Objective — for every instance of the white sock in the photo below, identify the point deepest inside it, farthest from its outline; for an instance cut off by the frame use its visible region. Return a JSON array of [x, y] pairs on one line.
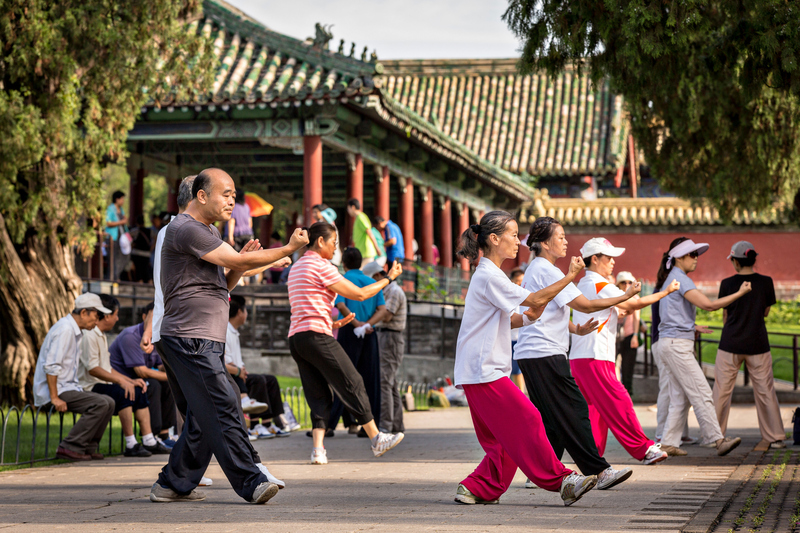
[[245, 398], [149, 440], [321, 449], [130, 441]]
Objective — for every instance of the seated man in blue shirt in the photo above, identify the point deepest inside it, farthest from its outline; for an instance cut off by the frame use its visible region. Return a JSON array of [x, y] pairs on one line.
[[392, 240], [363, 351], [128, 358]]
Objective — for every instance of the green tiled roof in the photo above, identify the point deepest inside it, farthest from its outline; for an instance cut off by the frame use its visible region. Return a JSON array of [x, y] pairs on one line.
[[259, 66], [532, 124]]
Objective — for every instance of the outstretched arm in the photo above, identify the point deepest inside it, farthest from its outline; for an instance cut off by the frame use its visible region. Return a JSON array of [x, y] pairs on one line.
[[640, 303], [541, 298], [225, 256], [350, 291], [585, 305], [701, 300]]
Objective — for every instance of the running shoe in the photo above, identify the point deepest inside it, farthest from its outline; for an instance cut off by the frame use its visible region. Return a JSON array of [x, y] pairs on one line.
[[270, 477], [463, 495], [138, 450], [777, 445], [689, 440], [352, 430], [169, 443], [159, 494], [574, 486], [383, 442], [610, 477], [252, 435], [262, 432], [530, 484], [289, 424], [329, 433], [275, 431], [206, 482], [654, 455], [673, 451], [249, 405], [264, 493], [727, 445], [319, 456]]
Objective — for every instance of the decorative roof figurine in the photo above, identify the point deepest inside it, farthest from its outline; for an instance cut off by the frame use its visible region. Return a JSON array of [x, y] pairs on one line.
[[323, 36], [341, 47], [373, 58], [364, 54], [352, 49]]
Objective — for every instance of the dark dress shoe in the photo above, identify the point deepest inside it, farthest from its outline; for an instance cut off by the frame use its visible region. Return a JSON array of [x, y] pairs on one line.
[[97, 456], [362, 433], [63, 453], [137, 451], [329, 433], [157, 449]]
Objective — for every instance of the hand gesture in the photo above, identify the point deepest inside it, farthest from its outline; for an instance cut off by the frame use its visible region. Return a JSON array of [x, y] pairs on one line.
[[130, 390], [243, 373], [299, 239], [576, 264], [139, 382], [344, 321], [745, 288], [703, 329], [674, 286], [368, 328], [634, 289], [533, 313], [251, 246], [588, 327], [283, 262], [145, 344], [396, 270], [59, 404]]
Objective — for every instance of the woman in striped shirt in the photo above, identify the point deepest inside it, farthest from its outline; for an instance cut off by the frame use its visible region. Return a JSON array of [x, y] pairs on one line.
[[313, 284]]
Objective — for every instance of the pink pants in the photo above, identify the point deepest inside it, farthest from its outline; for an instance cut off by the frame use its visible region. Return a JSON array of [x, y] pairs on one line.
[[512, 434], [610, 407]]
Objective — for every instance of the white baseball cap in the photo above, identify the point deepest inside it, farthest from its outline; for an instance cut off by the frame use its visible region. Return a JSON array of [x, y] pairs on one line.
[[600, 245], [90, 300], [625, 276], [372, 268]]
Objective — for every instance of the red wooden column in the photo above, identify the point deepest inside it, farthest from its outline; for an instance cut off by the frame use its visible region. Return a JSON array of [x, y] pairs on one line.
[[355, 189], [173, 186], [312, 174], [136, 195], [463, 224], [407, 215], [426, 235], [265, 230], [382, 192], [446, 233]]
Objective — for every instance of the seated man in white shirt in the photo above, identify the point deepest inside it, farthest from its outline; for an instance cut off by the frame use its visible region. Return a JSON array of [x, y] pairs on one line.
[[261, 394], [55, 382], [95, 374]]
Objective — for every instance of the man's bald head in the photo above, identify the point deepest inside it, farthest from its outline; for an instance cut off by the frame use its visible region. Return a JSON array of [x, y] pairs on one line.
[[213, 193], [209, 178]]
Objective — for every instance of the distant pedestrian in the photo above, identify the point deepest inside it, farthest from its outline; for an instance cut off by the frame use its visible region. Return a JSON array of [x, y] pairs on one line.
[[744, 339], [688, 385], [516, 276], [140, 251], [363, 239], [393, 240], [239, 228], [116, 226], [628, 338], [381, 257]]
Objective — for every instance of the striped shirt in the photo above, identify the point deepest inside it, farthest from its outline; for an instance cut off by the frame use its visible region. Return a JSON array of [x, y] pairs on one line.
[[309, 296]]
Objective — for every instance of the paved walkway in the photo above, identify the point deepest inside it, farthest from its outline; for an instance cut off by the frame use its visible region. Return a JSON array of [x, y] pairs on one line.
[[409, 489]]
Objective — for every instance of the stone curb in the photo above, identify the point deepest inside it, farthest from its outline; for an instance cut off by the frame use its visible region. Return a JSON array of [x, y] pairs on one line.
[[707, 518]]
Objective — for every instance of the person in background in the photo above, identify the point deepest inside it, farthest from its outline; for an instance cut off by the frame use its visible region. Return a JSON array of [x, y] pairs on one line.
[[55, 381], [393, 240], [381, 257], [363, 239], [435, 251], [261, 394], [140, 251], [95, 374], [275, 272], [239, 229], [115, 227], [156, 223], [359, 340], [323, 213], [688, 386], [392, 343], [516, 276], [744, 339], [630, 328], [127, 358]]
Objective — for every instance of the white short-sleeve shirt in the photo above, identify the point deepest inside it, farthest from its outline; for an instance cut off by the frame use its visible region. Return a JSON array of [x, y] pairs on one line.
[[158, 302], [483, 351], [549, 335], [600, 344], [233, 347]]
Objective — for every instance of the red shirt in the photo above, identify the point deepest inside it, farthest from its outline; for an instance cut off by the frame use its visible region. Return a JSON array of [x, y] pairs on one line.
[[309, 296]]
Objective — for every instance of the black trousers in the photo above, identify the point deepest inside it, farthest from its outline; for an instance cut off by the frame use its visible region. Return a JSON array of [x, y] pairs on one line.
[[210, 402], [565, 414], [326, 369], [265, 388], [162, 405], [366, 357], [628, 363]]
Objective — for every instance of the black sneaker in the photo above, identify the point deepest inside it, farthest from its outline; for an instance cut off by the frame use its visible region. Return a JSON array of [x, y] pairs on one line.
[[362, 433], [137, 451], [329, 433], [157, 449]]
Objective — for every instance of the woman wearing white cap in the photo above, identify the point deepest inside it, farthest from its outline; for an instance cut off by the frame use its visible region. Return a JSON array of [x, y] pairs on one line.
[[744, 339], [541, 353], [592, 356], [688, 386]]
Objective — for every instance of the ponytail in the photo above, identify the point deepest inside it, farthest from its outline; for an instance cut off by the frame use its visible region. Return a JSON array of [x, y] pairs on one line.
[[476, 237], [541, 230], [663, 270]]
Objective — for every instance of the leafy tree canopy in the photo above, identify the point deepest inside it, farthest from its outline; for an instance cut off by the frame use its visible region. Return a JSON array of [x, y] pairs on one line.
[[73, 78], [711, 86]]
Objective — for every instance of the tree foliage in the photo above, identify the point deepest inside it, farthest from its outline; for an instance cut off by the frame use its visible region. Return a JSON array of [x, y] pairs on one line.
[[711, 86], [73, 78]]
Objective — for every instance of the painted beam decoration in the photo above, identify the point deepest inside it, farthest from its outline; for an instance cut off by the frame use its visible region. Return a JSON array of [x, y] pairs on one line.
[[232, 129]]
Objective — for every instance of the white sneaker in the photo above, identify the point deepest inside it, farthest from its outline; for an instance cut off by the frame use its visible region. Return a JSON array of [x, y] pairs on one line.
[[262, 432], [383, 442], [319, 456], [530, 484], [574, 486], [610, 477], [275, 431], [206, 482], [270, 477], [252, 435], [689, 440], [288, 419], [249, 405], [654, 455]]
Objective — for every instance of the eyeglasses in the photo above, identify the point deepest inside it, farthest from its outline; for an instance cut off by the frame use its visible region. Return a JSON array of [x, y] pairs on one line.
[[693, 255]]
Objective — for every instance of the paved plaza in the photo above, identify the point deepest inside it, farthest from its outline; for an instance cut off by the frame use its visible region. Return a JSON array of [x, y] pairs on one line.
[[409, 489]]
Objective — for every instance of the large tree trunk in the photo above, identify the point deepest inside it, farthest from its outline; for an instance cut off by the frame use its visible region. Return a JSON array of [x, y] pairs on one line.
[[38, 286]]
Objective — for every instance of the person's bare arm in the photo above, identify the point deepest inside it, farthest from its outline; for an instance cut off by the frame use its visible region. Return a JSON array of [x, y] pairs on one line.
[[147, 334], [231, 225], [725, 315], [378, 316], [585, 328], [585, 305], [359, 294], [766, 312], [540, 299], [225, 256], [700, 300], [634, 304], [123, 381], [374, 241], [144, 373], [52, 385], [389, 242]]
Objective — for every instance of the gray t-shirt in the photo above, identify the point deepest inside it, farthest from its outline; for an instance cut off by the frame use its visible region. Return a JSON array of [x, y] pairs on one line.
[[676, 312], [195, 291]]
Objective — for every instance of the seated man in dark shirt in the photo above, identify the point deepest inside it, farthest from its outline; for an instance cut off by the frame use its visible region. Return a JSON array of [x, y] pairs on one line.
[[128, 358]]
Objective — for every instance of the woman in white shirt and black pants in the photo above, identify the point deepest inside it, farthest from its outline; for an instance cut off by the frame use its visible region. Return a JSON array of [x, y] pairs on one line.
[[508, 426], [541, 353]]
